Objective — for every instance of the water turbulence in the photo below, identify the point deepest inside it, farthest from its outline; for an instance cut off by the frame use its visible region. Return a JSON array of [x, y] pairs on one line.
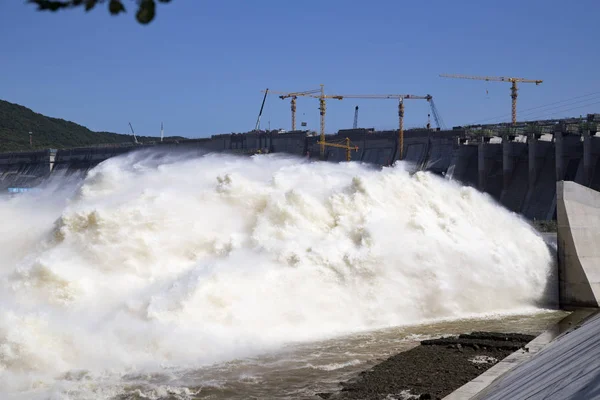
[[168, 263]]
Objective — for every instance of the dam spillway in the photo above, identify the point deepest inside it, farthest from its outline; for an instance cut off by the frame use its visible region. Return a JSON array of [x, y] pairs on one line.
[[518, 167], [165, 263]]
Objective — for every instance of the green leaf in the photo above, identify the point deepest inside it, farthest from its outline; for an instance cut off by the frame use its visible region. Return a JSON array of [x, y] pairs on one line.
[[146, 12], [89, 4], [115, 7]]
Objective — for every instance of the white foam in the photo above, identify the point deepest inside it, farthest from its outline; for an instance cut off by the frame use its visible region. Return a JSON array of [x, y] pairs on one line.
[[180, 262], [334, 366]]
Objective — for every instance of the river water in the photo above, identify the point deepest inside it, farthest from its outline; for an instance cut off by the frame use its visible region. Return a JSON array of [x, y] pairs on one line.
[[167, 276], [301, 371]]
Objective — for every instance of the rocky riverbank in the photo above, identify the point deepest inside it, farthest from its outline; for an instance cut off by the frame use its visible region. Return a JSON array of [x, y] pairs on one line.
[[433, 369]]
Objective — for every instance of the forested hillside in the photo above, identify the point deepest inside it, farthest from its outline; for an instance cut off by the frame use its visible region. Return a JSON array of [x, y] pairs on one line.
[[17, 121]]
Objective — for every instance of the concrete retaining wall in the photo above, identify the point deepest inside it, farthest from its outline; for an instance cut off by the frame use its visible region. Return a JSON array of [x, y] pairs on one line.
[[578, 219]]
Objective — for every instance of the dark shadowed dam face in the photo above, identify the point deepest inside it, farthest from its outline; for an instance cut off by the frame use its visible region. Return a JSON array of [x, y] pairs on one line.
[[156, 266]]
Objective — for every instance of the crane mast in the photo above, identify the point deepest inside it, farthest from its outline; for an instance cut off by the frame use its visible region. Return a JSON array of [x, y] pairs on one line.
[[322, 108], [355, 124], [261, 110], [293, 107], [513, 89], [133, 133], [401, 129]]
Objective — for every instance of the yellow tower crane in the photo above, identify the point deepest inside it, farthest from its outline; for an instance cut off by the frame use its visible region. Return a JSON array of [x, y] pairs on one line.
[[322, 107], [513, 89], [293, 96], [400, 98]]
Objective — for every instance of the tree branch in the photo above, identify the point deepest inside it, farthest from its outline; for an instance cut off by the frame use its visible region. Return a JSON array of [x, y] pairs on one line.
[[145, 13]]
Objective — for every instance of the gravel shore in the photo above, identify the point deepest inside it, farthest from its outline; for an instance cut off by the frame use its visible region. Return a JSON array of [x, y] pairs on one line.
[[432, 370]]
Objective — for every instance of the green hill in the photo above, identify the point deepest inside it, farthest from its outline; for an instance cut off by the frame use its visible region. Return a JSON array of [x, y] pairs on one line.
[[17, 121]]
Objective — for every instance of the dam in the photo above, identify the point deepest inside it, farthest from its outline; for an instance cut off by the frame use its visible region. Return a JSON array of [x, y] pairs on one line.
[[184, 276], [189, 245], [518, 166]]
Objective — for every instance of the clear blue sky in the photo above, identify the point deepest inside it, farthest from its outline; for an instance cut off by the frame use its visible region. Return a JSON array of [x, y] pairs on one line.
[[200, 66]]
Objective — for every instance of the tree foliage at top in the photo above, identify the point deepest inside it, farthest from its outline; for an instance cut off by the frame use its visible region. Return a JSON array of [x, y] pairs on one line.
[[146, 9]]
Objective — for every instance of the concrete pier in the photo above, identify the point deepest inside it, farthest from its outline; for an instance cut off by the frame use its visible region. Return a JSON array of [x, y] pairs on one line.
[[595, 171], [489, 165], [569, 153], [540, 200], [587, 157], [464, 164], [559, 151], [532, 145], [481, 164], [515, 173], [507, 160]]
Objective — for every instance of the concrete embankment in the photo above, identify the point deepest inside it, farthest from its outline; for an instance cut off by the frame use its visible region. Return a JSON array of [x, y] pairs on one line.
[[578, 245], [567, 368], [564, 362]]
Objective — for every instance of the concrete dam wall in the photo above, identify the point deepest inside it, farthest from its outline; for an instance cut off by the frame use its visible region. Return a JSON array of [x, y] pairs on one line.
[[25, 169], [519, 170]]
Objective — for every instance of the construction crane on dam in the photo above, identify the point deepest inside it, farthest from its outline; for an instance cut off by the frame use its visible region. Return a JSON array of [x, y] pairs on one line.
[[513, 88], [400, 98], [323, 107], [133, 133], [262, 106]]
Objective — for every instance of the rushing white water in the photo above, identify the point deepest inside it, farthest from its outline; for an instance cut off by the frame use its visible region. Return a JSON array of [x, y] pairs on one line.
[[172, 262]]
